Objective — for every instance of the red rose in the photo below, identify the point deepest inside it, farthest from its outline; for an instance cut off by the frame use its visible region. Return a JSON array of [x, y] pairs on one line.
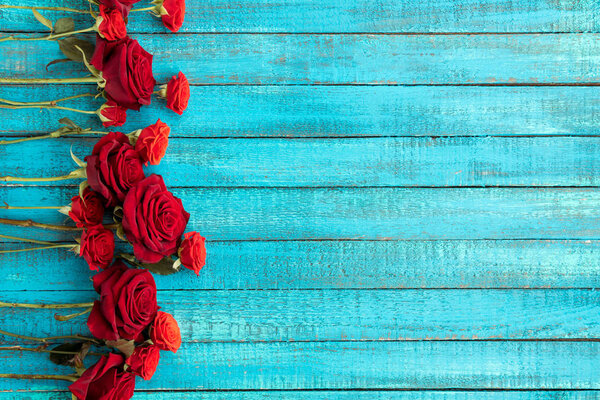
[[123, 6], [152, 142], [172, 13], [97, 247], [110, 24], [87, 211], [165, 333], [127, 69], [113, 168], [105, 380], [143, 361], [153, 220], [192, 252], [111, 114], [178, 93], [127, 303]]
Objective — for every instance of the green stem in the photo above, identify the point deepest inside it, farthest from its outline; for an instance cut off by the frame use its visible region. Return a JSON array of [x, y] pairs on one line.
[[77, 174], [27, 223], [48, 107], [40, 350], [70, 378], [7, 207], [143, 9], [46, 306], [26, 240], [49, 37], [56, 246], [71, 316], [26, 81], [48, 339], [45, 103], [73, 10]]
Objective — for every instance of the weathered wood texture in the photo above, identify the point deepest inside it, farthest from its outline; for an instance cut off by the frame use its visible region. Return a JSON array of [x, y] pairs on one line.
[[344, 16], [325, 111], [343, 59]]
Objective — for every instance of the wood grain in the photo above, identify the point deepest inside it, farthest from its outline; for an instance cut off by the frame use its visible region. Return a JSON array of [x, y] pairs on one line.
[[335, 111], [339, 315], [343, 16], [363, 365], [344, 59]]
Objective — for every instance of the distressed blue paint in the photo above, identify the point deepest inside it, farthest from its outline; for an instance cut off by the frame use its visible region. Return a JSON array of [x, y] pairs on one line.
[[325, 111], [343, 59], [345, 16]]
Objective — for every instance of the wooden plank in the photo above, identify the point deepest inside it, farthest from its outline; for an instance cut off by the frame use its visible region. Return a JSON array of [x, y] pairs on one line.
[[344, 59], [358, 162], [358, 213], [340, 315], [364, 365], [331, 394], [344, 16], [325, 111], [345, 265]]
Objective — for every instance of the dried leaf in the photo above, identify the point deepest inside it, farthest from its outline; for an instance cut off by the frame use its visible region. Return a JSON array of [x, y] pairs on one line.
[[76, 159], [166, 266], [61, 60], [45, 21], [69, 46], [64, 25], [68, 122], [123, 345], [82, 186], [77, 353]]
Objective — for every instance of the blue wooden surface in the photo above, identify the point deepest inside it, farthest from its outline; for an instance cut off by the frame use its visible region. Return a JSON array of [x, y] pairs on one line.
[[400, 199]]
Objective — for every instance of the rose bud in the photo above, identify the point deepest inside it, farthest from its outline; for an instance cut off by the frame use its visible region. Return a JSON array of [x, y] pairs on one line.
[[110, 24], [165, 333], [127, 304], [176, 92], [111, 114], [151, 142], [97, 247], [85, 210], [172, 13], [153, 220], [113, 168], [192, 252], [143, 361], [127, 70], [105, 380]]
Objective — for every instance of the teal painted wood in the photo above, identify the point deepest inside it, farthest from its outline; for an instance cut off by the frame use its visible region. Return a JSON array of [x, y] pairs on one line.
[[344, 59], [362, 365], [329, 394], [340, 315], [355, 16], [344, 265], [327, 111], [440, 162], [358, 213]]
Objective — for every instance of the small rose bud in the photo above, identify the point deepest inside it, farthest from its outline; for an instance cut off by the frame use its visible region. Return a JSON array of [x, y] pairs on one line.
[[172, 13], [143, 361], [151, 143], [97, 247], [88, 209], [192, 252], [111, 114], [177, 93], [110, 24]]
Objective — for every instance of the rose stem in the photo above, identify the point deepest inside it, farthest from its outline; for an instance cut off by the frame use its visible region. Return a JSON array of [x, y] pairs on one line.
[[30, 223], [46, 306], [38, 350], [73, 10], [56, 246], [87, 79], [26, 240], [78, 173], [49, 37], [143, 9], [46, 339], [46, 103], [71, 316], [7, 207], [69, 378], [49, 107]]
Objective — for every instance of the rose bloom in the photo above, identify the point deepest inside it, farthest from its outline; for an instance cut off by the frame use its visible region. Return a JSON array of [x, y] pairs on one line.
[[127, 304], [152, 142], [105, 380], [110, 24], [153, 220], [172, 14], [111, 114], [87, 209], [143, 361], [178, 93], [113, 168], [127, 69], [192, 252], [165, 332], [97, 247], [123, 6]]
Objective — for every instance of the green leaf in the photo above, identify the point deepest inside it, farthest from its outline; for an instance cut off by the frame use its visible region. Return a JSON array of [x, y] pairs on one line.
[[79, 351], [166, 266], [68, 122], [64, 25], [123, 345], [76, 159], [69, 46], [45, 21]]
